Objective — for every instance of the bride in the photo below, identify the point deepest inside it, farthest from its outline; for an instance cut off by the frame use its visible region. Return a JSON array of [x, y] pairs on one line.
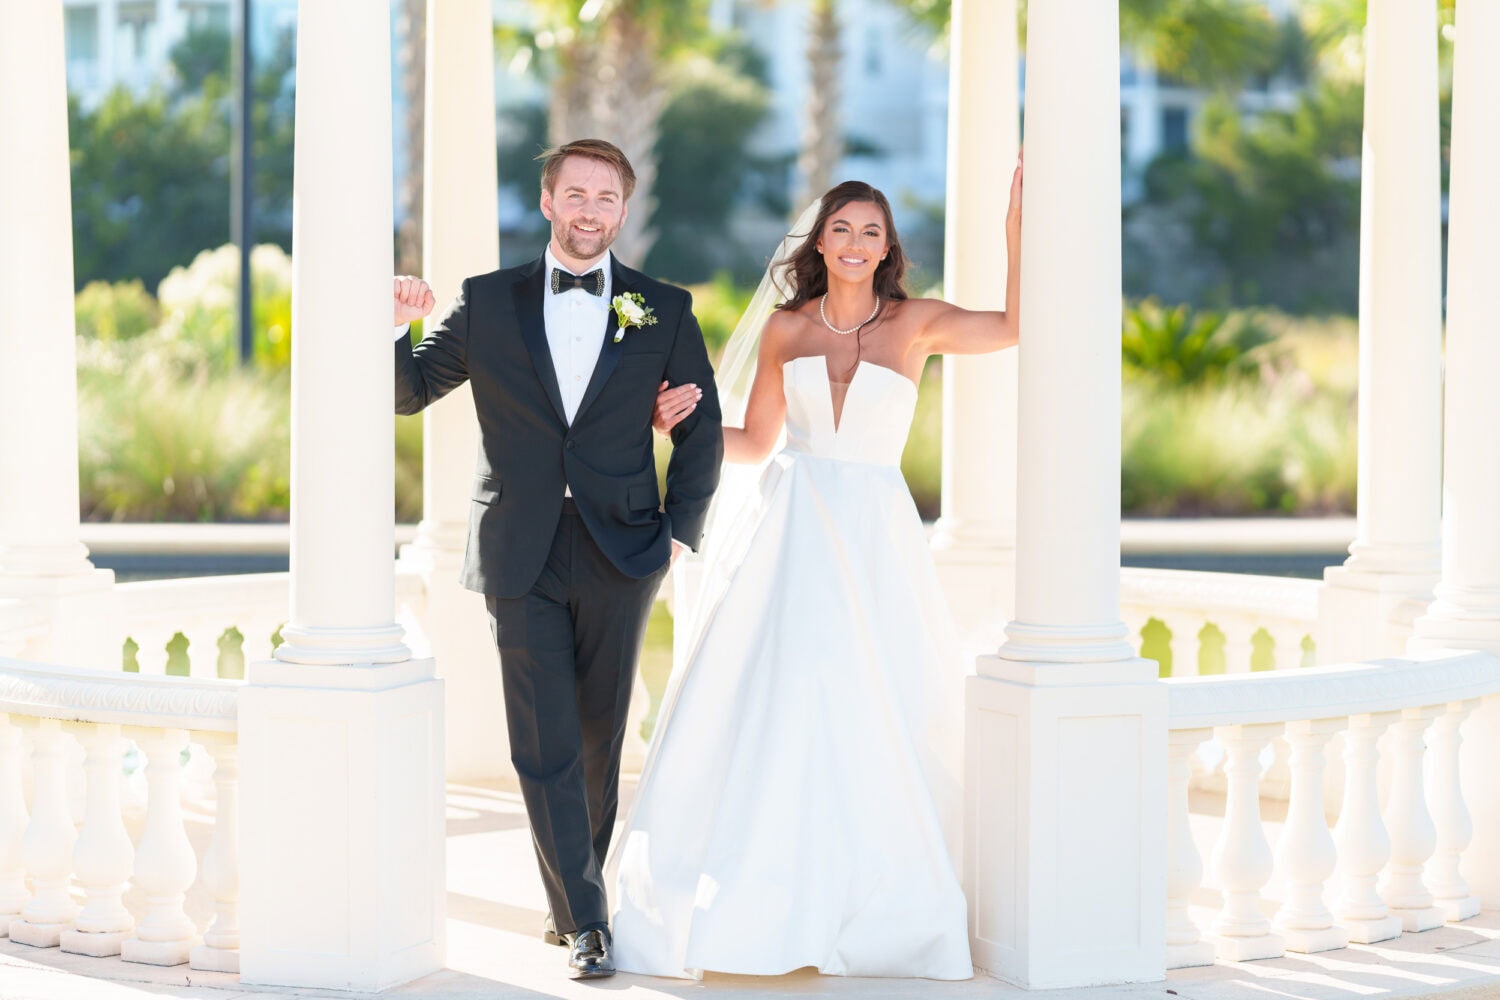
[[801, 804]]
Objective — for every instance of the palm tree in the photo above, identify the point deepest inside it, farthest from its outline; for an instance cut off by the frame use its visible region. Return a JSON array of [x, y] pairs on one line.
[[606, 61], [411, 60], [822, 132]]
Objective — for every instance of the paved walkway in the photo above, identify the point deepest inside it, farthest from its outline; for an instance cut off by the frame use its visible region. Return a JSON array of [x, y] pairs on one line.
[[495, 907]]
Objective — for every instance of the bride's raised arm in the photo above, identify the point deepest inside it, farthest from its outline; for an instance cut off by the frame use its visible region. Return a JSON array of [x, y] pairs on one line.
[[765, 410], [949, 329]]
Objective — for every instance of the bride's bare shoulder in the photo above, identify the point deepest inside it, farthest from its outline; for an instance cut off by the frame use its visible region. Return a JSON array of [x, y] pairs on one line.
[[783, 329]]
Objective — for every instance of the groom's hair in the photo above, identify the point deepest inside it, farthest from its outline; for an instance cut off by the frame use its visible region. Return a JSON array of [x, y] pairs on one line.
[[594, 149]]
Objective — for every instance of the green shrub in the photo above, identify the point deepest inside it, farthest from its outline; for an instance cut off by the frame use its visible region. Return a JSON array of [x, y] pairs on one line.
[[199, 315], [119, 311], [1182, 346]]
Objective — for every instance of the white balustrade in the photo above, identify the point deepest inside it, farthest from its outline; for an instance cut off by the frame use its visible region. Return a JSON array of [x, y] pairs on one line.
[[1288, 648], [103, 855], [164, 864], [1239, 646], [220, 950], [1363, 844], [13, 821], [1413, 837], [47, 846], [1242, 858], [1305, 854], [1451, 817], [1184, 644], [1185, 944]]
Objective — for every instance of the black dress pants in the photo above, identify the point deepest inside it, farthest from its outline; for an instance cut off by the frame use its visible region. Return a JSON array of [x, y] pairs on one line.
[[568, 654]]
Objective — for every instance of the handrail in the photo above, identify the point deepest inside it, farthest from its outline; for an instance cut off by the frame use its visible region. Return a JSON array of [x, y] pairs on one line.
[[80, 694]]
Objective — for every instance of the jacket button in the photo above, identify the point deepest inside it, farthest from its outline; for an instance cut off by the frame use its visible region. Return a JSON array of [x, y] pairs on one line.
[[569, 446]]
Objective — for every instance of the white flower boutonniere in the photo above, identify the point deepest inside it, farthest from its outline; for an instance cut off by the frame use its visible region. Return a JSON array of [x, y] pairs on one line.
[[631, 311]]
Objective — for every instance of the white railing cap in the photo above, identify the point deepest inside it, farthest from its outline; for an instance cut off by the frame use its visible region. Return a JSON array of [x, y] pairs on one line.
[[1241, 593], [1333, 691], [46, 691]]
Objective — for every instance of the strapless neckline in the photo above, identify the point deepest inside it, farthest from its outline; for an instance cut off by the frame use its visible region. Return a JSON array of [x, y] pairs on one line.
[[861, 365]]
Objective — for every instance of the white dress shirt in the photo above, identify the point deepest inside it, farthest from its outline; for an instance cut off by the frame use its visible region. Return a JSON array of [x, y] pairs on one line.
[[575, 322]]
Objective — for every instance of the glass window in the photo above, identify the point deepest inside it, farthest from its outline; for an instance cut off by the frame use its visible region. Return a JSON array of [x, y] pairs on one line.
[[81, 31]]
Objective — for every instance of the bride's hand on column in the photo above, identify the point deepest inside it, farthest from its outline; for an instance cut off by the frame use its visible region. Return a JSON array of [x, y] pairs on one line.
[[1013, 215], [414, 299], [673, 406]]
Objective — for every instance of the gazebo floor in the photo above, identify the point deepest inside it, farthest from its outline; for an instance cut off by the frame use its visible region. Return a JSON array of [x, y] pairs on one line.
[[495, 909]]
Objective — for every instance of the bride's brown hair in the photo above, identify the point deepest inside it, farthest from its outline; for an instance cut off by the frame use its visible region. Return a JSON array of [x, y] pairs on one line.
[[811, 273]]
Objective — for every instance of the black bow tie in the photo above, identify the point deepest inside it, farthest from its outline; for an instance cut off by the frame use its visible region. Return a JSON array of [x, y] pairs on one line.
[[593, 282]]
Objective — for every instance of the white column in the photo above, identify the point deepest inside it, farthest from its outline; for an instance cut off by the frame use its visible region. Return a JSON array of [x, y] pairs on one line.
[[460, 238], [1305, 854], [220, 950], [341, 736], [1466, 614], [975, 540], [103, 855], [1066, 726], [41, 556], [1395, 555], [47, 847]]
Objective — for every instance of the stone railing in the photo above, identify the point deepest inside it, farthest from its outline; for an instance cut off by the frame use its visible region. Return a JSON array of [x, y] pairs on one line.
[[1378, 873], [133, 889], [23, 625], [1212, 623], [213, 626]]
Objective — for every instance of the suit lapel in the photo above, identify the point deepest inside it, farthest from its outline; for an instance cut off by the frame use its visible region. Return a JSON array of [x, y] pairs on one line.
[[609, 354], [528, 292]]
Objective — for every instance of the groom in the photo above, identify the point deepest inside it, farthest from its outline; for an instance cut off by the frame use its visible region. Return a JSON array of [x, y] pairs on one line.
[[568, 538]]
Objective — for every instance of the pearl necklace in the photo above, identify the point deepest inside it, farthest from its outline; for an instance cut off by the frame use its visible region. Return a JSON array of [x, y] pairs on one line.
[[844, 333]]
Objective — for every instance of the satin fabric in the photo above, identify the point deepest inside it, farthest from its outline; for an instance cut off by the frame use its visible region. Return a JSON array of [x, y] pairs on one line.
[[801, 804]]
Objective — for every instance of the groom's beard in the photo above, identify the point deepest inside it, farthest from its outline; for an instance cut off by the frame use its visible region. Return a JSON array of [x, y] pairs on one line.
[[583, 246]]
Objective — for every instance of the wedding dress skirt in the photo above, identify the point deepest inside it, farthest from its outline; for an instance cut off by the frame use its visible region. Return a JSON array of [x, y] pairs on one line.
[[801, 803]]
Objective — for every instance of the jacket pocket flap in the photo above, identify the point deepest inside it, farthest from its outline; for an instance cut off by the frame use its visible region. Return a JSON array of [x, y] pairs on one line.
[[486, 490]]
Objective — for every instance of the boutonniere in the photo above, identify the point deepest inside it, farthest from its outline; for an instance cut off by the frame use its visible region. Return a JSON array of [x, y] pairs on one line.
[[631, 311]]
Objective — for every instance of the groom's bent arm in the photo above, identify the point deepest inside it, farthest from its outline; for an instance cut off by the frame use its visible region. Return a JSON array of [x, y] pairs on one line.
[[698, 441], [439, 364]]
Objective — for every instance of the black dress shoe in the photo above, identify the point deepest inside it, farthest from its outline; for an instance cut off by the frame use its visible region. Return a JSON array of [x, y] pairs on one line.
[[550, 935], [591, 958]]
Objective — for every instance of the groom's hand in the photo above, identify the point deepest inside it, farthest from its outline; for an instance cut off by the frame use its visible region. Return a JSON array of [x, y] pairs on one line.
[[673, 406], [414, 299]]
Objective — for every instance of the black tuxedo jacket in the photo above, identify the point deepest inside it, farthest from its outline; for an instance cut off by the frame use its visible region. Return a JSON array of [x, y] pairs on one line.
[[494, 336]]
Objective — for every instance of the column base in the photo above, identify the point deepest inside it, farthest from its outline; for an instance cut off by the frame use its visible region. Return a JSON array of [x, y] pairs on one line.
[[207, 959], [1248, 949], [356, 900], [1371, 931], [1367, 615], [1415, 921], [163, 953], [457, 627], [1456, 910], [1190, 956], [1308, 942], [101, 944], [38, 935], [1048, 764]]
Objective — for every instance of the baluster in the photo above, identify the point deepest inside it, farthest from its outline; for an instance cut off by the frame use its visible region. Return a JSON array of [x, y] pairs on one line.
[[1305, 853], [13, 820], [220, 950], [1413, 837], [103, 855], [164, 862], [1135, 621], [1288, 651], [47, 847], [1454, 830], [203, 649], [1242, 858], [1363, 845], [1184, 644], [1185, 944], [152, 639], [1238, 647]]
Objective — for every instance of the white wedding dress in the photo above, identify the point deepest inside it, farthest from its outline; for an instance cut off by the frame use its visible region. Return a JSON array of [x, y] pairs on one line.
[[801, 802]]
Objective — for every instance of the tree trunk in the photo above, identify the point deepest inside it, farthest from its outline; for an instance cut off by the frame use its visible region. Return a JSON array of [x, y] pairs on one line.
[[822, 136], [412, 67]]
